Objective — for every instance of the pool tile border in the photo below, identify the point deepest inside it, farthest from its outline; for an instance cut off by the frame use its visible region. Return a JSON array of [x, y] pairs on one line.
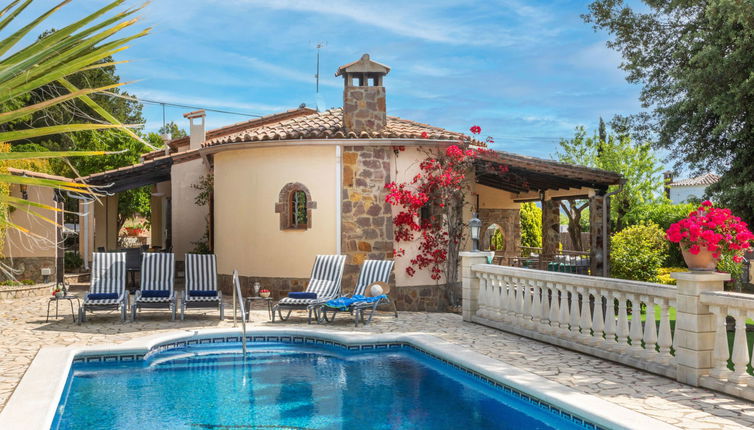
[[377, 346], [44, 383]]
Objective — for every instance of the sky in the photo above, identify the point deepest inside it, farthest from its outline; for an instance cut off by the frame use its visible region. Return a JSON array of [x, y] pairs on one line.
[[527, 71]]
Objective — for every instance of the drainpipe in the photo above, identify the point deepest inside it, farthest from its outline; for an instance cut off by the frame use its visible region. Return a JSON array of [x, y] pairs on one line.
[[338, 196], [605, 238]]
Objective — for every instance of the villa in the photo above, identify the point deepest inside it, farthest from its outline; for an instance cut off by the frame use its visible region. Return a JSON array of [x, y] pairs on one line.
[[292, 185]]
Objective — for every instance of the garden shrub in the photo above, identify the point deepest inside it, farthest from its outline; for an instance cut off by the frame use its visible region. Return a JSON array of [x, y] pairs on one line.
[[663, 274], [531, 226], [73, 261], [637, 252], [662, 214], [497, 241]]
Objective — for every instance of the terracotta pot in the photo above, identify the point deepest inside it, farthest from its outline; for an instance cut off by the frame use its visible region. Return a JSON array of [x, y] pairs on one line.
[[702, 262]]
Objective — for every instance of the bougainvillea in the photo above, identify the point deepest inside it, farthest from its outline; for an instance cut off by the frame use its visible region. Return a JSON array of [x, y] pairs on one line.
[[714, 229], [431, 206]]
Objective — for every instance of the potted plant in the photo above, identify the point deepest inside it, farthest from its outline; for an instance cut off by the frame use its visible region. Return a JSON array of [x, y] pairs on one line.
[[708, 235]]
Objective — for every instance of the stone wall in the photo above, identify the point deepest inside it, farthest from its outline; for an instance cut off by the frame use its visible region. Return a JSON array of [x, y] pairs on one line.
[[550, 228], [279, 287], [367, 220], [509, 221], [598, 254], [364, 109], [30, 267], [423, 298]]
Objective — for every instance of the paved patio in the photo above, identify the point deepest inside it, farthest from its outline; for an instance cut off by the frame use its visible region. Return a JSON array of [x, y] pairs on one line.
[[23, 331]]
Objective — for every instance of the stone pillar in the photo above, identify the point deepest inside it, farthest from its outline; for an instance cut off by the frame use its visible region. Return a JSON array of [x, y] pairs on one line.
[[550, 229], [695, 325], [470, 286], [597, 252]]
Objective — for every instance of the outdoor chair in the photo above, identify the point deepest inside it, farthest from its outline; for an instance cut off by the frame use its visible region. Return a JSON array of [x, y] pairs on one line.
[[201, 284], [156, 286], [108, 285], [324, 285], [371, 271]]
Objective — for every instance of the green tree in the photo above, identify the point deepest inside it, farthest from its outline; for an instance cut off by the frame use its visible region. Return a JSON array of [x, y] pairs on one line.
[[694, 62], [531, 226], [636, 162]]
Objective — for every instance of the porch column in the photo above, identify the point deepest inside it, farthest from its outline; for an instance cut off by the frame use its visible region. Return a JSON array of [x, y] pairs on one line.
[[106, 223], [599, 227], [550, 229]]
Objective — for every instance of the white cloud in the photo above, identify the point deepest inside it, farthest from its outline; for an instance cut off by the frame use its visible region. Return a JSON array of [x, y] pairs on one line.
[[206, 102], [278, 71]]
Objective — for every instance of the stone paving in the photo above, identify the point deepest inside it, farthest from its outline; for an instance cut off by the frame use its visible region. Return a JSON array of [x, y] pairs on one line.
[[23, 331]]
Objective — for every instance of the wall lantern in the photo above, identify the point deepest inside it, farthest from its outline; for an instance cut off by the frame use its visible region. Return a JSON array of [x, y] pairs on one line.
[[24, 191], [475, 225]]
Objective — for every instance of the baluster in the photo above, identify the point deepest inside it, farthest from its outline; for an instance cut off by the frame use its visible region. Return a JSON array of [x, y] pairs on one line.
[[650, 329], [520, 301], [740, 355], [610, 319], [622, 329], [482, 300], [672, 304], [554, 308], [535, 310], [598, 319], [564, 315], [586, 316], [493, 311], [575, 315], [507, 293], [665, 339], [720, 354], [636, 332], [544, 309]]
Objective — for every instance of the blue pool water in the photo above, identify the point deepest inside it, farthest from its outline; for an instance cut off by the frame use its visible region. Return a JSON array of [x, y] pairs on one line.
[[284, 386]]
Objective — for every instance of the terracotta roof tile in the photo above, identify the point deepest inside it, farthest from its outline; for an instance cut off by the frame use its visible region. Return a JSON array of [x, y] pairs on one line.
[[329, 125], [703, 180]]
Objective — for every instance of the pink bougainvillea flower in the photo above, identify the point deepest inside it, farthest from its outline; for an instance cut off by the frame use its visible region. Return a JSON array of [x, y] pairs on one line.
[[425, 135], [707, 203], [738, 259], [475, 129], [695, 249]]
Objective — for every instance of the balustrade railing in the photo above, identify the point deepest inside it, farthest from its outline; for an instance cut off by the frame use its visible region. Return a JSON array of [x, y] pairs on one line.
[[695, 332], [596, 312]]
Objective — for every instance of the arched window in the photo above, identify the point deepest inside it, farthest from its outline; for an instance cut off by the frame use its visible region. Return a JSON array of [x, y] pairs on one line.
[[295, 207]]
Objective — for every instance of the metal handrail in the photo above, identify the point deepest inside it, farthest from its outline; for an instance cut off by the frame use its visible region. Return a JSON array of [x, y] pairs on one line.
[[237, 293]]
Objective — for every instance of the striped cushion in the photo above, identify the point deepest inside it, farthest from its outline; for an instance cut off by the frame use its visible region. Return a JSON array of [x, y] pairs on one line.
[[108, 277], [329, 268], [201, 272], [157, 271], [373, 271], [325, 281]]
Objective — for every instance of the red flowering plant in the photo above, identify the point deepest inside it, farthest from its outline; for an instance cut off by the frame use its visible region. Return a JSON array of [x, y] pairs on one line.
[[716, 230], [431, 208]]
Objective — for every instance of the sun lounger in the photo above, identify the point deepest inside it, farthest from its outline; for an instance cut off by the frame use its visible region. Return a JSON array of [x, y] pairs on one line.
[[156, 287], [201, 284], [108, 285], [371, 271], [324, 285]]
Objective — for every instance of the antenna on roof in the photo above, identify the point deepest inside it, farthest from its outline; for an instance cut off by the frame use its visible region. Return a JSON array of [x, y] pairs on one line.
[[318, 46]]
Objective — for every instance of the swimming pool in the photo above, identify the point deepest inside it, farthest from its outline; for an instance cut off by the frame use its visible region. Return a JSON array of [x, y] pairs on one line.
[[303, 386], [295, 379]]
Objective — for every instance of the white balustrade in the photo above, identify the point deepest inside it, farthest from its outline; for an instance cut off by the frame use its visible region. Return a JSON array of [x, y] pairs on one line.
[[579, 309]]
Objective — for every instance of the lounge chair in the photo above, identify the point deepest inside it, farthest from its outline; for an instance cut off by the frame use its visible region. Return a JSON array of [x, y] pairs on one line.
[[371, 271], [156, 286], [201, 284], [324, 285], [108, 285]]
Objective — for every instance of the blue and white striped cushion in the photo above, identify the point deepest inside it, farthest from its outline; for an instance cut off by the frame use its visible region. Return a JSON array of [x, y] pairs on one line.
[[157, 273], [373, 271], [329, 268], [324, 289], [201, 274], [108, 276]]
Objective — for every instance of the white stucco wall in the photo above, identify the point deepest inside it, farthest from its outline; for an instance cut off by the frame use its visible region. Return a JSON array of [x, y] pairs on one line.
[[189, 220], [682, 194]]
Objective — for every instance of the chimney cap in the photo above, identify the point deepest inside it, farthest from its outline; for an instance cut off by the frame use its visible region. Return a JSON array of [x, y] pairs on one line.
[[363, 65], [195, 114]]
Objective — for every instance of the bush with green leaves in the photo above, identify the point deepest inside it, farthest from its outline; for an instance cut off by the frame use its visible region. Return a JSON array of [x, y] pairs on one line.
[[637, 252], [531, 226], [72, 261], [662, 214]]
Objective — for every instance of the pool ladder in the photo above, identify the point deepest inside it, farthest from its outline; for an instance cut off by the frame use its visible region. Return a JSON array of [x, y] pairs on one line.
[[237, 294]]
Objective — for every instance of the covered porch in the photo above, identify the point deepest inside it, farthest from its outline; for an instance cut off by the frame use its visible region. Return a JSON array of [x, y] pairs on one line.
[[503, 181]]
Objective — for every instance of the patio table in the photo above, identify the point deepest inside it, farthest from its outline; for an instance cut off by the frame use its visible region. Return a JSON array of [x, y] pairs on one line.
[[70, 298], [249, 300]]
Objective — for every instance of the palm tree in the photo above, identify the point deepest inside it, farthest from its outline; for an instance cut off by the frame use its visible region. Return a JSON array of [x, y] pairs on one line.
[[82, 45]]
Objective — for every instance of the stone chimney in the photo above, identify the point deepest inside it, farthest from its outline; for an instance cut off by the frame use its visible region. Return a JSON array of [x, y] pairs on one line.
[[363, 95], [196, 128]]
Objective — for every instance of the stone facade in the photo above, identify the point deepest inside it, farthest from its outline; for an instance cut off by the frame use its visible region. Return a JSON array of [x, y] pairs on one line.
[[422, 298], [279, 287], [509, 221], [31, 267], [550, 227], [367, 220], [364, 109]]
